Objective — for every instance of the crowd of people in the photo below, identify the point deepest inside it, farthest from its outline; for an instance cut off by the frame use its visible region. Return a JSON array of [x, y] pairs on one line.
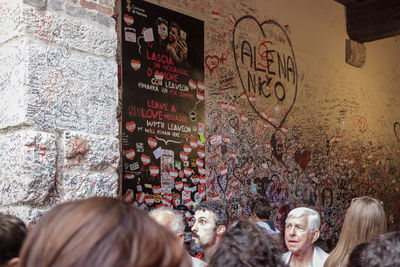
[[106, 232]]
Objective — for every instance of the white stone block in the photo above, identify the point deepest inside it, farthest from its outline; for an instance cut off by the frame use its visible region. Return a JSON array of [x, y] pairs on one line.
[[71, 91], [12, 88], [10, 19], [76, 185], [28, 167], [91, 152], [29, 215], [58, 29]]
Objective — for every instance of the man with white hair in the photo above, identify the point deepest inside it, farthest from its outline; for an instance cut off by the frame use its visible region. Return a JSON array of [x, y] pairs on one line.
[[301, 232], [173, 221]]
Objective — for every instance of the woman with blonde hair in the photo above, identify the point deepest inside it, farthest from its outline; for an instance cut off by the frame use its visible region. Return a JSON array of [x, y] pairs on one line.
[[101, 232], [365, 220]]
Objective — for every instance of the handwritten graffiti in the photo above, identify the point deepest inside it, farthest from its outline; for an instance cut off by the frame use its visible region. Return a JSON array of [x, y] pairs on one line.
[[267, 70], [212, 62]]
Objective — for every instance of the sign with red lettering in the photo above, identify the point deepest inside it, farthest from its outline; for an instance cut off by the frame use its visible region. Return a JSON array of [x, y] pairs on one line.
[[163, 109]]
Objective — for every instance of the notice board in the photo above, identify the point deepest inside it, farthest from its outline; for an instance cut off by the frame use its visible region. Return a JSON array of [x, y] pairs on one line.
[[163, 116]]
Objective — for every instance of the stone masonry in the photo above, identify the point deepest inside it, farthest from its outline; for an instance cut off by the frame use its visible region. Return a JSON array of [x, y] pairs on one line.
[[58, 82]]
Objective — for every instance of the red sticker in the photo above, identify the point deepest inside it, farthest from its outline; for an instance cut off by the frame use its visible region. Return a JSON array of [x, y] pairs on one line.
[[152, 142], [224, 171], [128, 19], [201, 86], [201, 153], [159, 76], [154, 170], [156, 189], [135, 64], [173, 173], [128, 195], [130, 126], [192, 84], [187, 171], [130, 154], [179, 185], [183, 156], [145, 159]]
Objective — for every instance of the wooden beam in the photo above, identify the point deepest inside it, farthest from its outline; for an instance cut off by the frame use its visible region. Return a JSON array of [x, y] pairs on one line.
[[343, 2], [374, 20], [355, 53]]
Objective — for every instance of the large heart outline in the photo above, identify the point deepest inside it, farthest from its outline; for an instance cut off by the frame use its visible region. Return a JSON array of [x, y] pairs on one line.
[[252, 104]]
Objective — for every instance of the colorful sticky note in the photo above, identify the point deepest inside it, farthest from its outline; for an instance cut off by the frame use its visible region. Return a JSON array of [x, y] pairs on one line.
[[202, 138]]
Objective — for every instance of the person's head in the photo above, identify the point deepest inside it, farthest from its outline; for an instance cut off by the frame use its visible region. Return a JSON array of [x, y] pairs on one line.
[[246, 244], [170, 219], [383, 251], [174, 32], [12, 235], [364, 220], [357, 256], [302, 230], [261, 208], [101, 232], [327, 197], [211, 223]]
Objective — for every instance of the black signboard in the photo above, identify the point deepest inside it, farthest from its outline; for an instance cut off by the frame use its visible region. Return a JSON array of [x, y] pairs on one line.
[[163, 118]]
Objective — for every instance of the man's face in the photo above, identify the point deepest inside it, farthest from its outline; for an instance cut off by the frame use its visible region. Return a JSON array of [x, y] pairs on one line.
[[298, 236], [204, 227], [173, 34]]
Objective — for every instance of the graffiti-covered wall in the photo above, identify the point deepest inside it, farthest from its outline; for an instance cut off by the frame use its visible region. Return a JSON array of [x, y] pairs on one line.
[[287, 119]]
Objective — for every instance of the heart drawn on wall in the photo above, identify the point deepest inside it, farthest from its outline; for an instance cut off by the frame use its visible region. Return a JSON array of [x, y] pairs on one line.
[[302, 158], [212, 63], [266, 65]]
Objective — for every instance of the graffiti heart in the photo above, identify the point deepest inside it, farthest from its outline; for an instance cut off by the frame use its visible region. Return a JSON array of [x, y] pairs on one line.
[[212, 63], [266, 66], [302, 158]]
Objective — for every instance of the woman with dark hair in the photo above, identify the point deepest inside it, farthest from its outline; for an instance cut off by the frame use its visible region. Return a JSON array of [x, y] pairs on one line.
[[12, 235], [101, 232], [365, 220], [247, 244]]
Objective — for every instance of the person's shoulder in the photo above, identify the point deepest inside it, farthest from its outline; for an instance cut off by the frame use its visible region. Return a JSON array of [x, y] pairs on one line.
[[198, 263], [321, 253], [286, 257], [266, 226]]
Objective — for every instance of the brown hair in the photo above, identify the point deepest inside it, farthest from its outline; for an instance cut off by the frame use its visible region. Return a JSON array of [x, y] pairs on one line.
[[101, 232], [247, 244], [365, 220]]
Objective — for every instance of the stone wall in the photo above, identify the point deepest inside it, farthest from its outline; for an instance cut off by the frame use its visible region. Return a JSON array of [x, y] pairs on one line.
[[58, 81]]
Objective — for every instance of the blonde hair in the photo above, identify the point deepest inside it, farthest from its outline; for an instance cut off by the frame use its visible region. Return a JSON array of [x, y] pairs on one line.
[[364, 221]]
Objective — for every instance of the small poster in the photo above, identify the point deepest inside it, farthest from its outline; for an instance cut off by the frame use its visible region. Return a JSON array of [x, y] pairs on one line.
[[163, 109]]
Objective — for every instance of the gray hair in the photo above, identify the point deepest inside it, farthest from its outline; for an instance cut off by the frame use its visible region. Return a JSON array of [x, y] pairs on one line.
[[314, 220], [171, 219]]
